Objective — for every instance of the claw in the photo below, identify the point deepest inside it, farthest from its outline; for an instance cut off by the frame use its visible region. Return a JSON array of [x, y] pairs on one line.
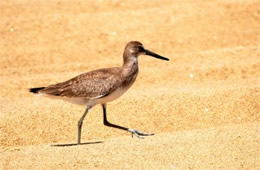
[[139, 134]]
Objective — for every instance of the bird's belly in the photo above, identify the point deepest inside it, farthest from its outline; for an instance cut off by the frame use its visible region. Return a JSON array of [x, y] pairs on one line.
[[92, 101], [114, 95], [74, 100]]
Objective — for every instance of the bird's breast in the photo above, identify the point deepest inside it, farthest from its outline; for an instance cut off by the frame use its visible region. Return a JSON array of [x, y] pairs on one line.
[[126, 83]]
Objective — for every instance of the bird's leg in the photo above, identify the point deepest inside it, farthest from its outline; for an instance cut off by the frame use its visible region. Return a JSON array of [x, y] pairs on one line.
[[80, 122], [135, 132]]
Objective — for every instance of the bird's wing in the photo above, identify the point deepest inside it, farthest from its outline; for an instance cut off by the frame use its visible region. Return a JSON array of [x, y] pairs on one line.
[[94, 84]]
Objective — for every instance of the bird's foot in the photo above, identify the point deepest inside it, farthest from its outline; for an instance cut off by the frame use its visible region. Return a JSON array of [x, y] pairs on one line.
[[139, 134]]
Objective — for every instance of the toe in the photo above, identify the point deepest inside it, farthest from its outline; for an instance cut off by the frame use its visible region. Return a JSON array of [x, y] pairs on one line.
[[139, 134]]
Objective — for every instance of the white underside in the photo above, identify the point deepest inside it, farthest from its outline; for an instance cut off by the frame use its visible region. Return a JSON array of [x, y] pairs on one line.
[[116, 94], [91, 101]]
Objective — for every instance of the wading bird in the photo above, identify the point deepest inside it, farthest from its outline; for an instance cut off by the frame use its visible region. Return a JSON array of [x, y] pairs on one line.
[[101, 86]]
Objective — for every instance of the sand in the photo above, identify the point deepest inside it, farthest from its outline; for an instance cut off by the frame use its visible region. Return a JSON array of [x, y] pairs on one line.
[[203, 105]]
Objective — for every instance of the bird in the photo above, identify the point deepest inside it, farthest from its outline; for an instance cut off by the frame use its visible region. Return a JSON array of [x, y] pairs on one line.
[[101, 86]]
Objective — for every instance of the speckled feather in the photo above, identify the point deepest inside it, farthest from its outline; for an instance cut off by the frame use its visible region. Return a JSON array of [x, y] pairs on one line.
[[94, 84]]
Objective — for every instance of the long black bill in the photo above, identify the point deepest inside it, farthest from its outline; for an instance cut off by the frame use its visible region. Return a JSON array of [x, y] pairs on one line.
[[150, 53]]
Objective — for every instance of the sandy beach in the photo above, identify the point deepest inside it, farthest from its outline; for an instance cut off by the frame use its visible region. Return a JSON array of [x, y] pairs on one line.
[[203, 105]]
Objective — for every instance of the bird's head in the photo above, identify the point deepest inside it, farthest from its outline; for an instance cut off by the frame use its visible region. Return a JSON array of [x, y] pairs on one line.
[[134, 48]]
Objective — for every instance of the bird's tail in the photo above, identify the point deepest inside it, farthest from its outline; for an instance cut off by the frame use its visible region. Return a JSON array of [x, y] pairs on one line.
[[36, 90]]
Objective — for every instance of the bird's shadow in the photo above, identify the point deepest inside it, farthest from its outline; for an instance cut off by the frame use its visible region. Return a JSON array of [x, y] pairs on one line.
[[75, 144]]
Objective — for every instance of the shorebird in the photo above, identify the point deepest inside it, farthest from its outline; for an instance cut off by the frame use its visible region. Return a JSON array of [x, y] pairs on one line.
[[101, 86]]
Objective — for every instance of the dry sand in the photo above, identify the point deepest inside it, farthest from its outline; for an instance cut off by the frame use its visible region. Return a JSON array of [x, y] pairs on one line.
[[203, 105]]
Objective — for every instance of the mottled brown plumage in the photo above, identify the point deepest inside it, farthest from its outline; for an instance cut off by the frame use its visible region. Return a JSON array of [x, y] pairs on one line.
[[94, 84], [101, 86]]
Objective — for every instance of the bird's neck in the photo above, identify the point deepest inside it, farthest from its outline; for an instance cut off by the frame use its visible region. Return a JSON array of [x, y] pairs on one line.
[[130, 66]]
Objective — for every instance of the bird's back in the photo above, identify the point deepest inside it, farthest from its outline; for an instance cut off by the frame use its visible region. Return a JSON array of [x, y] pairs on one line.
[[92, 84]]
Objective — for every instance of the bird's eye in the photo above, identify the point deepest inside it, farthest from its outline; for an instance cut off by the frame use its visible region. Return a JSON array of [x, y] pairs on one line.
[[141, 48]]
